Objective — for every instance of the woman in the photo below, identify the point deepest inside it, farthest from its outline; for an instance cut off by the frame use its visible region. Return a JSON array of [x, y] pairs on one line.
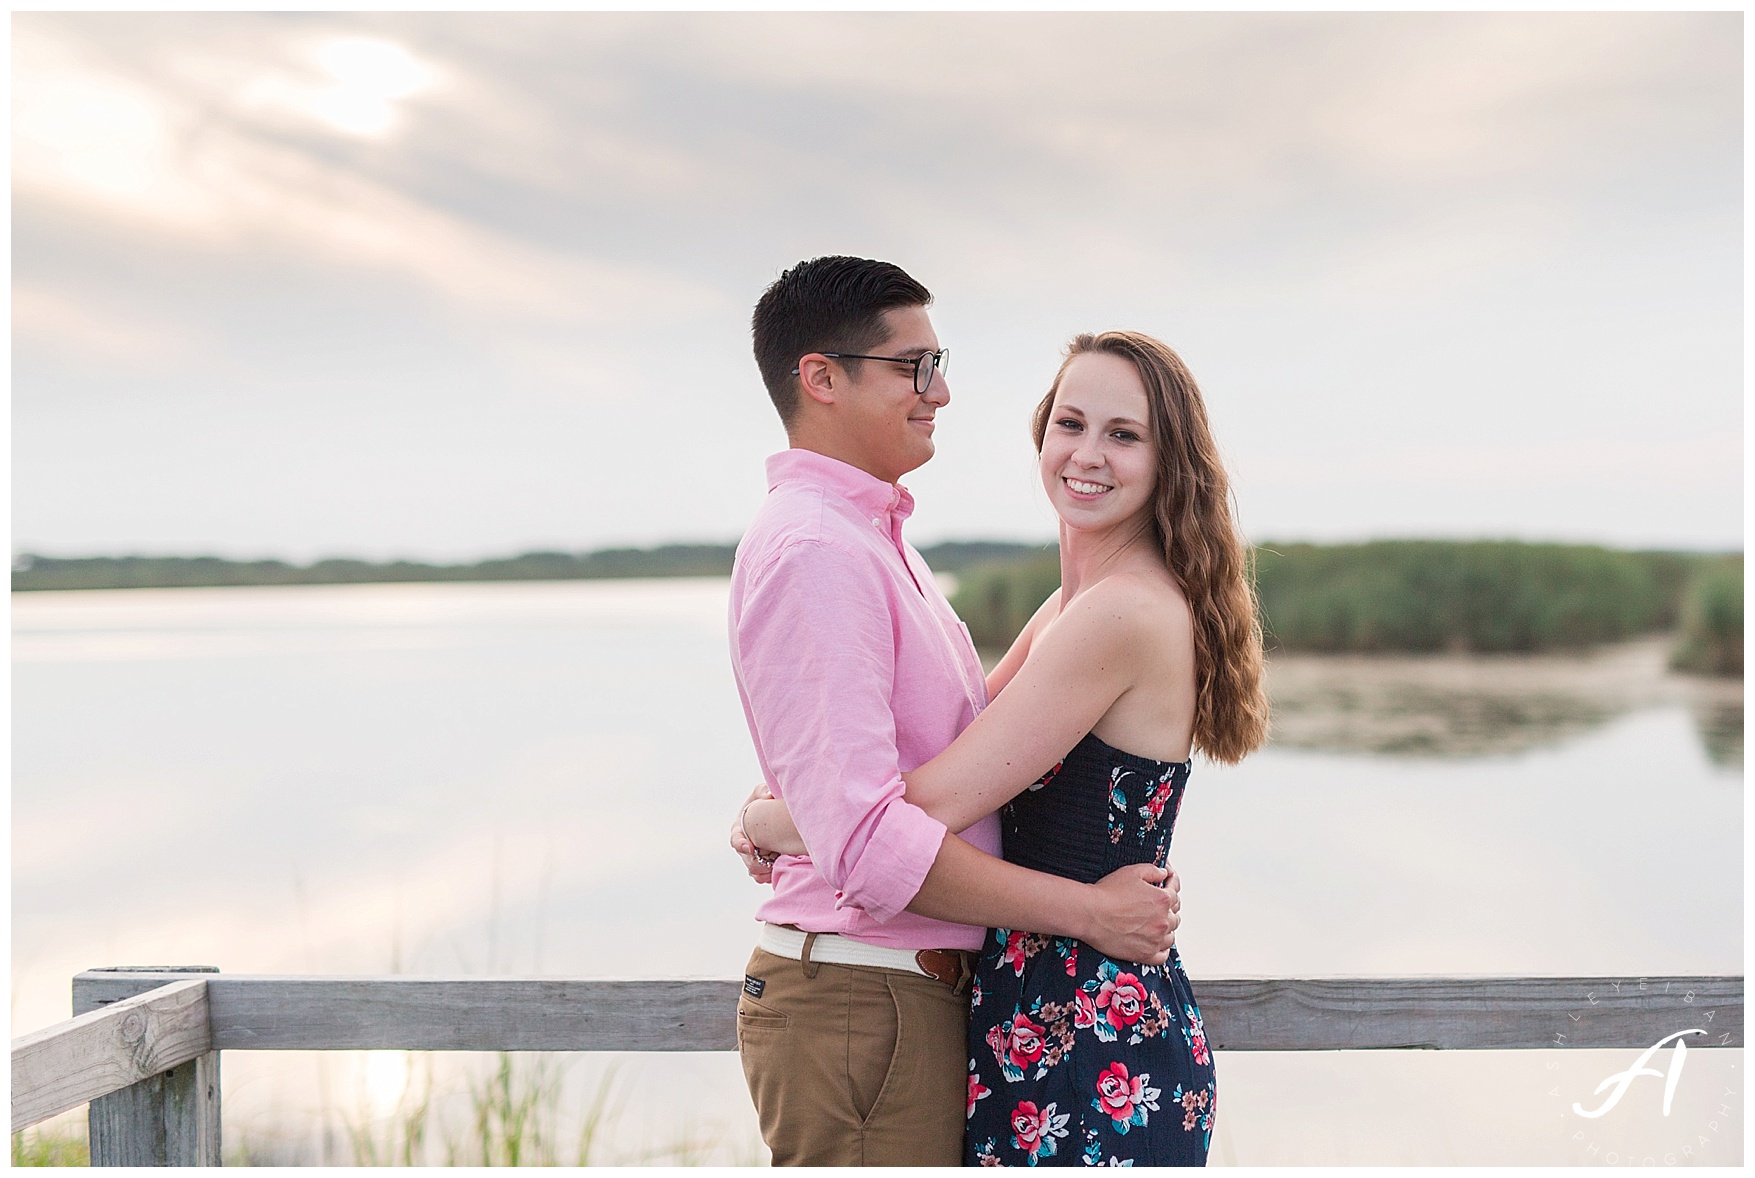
[[1151, 646]]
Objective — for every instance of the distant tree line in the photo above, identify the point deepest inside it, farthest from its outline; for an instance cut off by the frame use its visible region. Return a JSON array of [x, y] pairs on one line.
[[163, 572], [1437, 595], [1389, 595], [32, 572]]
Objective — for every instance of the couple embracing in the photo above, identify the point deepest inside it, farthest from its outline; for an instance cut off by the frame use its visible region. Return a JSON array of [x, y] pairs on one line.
[[919, 996]]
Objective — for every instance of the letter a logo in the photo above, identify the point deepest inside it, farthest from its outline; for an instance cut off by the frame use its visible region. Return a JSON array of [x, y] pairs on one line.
[[1623, 1080]]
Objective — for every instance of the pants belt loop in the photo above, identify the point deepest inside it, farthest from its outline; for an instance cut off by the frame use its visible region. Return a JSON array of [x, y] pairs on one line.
[[966, 973], [810, 967]]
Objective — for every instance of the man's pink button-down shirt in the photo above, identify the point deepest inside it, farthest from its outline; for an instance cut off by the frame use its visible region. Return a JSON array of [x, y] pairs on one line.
[[853, 669]]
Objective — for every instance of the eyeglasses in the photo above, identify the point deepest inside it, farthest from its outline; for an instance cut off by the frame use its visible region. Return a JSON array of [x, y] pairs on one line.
[[923, 364]]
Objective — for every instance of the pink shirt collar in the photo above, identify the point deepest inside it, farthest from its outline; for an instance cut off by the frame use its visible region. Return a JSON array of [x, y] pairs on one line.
[[867, 492]]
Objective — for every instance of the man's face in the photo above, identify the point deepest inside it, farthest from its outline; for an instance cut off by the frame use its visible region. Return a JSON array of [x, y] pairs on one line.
[[887, 425]]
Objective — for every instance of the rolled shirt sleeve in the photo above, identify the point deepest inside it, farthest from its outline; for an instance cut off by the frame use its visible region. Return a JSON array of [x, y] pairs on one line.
[[819, 671]]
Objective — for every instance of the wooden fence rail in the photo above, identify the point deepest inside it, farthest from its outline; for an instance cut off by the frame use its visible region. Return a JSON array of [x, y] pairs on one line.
[[109, 1048], [144, 1044]]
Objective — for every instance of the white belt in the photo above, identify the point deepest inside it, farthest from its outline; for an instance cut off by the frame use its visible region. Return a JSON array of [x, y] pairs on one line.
[[837, 950]]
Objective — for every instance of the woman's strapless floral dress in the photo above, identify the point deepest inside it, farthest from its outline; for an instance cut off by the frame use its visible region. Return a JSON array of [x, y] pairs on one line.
[[1076, 1059]]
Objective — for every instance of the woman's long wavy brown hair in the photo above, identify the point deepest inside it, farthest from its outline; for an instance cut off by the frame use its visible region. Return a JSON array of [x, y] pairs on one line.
[[1191, 512]]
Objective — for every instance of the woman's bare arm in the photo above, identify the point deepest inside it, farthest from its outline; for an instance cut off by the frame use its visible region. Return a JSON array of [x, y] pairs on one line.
[[767, 824], [1068, 677], [1075, 671]]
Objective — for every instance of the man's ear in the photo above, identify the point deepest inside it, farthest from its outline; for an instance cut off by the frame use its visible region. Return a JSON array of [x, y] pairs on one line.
[[816, 378]]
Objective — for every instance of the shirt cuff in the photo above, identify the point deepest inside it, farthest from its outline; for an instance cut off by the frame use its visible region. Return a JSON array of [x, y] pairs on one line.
[[894, 862]]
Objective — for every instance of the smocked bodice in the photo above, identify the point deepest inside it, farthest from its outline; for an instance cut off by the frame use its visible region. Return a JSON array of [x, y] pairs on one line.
[[1100, 809]]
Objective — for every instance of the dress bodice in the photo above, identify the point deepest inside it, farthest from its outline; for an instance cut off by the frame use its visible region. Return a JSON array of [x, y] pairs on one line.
[[1099, 810], [1076, 1058]]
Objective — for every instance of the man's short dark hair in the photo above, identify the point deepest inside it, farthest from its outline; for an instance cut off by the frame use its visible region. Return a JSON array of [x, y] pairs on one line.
[[833, 304]]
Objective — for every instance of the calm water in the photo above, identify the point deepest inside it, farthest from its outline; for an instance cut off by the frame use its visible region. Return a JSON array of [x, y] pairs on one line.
[[536, 778]]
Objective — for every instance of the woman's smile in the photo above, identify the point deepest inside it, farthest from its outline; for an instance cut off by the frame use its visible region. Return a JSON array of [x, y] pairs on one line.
[[1080, 489], [1098, 461]]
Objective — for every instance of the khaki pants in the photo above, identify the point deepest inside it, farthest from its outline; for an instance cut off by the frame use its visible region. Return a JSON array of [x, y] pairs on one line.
[[851, 1065]]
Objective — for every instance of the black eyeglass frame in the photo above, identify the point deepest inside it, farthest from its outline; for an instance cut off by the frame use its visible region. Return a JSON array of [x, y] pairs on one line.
[[940, 361]]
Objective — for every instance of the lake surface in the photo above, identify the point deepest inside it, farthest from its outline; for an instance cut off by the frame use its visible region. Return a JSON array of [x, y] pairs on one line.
[[538, 777]]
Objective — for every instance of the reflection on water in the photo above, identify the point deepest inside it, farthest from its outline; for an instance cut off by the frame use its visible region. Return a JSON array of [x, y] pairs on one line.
[[1422, 721], [1721, 730], [1464, 706], [537, 778]]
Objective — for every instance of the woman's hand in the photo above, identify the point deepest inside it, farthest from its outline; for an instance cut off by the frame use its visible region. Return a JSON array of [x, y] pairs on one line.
[[762, 873], [768, 824], [1136, 915], [762, 830]]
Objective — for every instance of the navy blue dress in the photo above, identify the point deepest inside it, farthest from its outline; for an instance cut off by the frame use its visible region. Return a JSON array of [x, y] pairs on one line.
[[1075, 1059]]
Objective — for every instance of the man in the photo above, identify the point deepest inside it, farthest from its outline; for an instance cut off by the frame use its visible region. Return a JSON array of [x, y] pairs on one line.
[[853, 669]]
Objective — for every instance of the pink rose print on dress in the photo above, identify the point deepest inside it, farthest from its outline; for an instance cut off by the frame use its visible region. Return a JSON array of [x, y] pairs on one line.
[[1196, 1036], [1034, 1131], [977, 1090], [1122, 1000], [1084, 1010], [1016, 952], [1016, 1043], [1119, 997], [1123, 1099], [1153, 810]]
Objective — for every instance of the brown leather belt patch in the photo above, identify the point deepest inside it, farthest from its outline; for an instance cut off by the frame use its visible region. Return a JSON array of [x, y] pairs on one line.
[[950, 966]]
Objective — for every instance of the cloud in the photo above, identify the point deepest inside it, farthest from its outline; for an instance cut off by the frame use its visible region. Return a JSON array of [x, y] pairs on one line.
[[1709, 465], [96, 139], [440, 246], [366, 79], [168, 161], [82, 330]]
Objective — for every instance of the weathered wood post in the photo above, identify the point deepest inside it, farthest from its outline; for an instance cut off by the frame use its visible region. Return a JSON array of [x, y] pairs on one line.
[[171, 1119]]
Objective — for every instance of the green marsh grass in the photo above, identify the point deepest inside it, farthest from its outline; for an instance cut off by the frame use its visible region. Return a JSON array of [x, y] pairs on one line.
[[56, 1143], [995, 599], [1424, 596], [1712, 621], [1434, 595], [508, 1109], [508, 1113]]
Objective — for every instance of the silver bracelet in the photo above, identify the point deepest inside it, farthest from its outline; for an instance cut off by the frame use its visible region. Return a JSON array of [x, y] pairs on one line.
[[762, 857]]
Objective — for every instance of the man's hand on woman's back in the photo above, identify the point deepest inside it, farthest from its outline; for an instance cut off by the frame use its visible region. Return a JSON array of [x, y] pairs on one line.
[[1137, 911], [1133, 916]]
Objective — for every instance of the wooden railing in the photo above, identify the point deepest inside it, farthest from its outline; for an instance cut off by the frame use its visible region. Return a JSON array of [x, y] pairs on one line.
[[143, 1045]]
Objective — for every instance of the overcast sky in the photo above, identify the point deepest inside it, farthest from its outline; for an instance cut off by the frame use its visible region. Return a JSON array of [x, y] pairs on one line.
[[448, 286]]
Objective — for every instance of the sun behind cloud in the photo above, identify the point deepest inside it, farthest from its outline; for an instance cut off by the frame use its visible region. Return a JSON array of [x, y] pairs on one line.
[[359, 85]]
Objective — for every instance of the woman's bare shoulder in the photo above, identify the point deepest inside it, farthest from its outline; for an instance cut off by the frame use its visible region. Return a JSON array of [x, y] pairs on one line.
[[1131, 607], [1137, 595]]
